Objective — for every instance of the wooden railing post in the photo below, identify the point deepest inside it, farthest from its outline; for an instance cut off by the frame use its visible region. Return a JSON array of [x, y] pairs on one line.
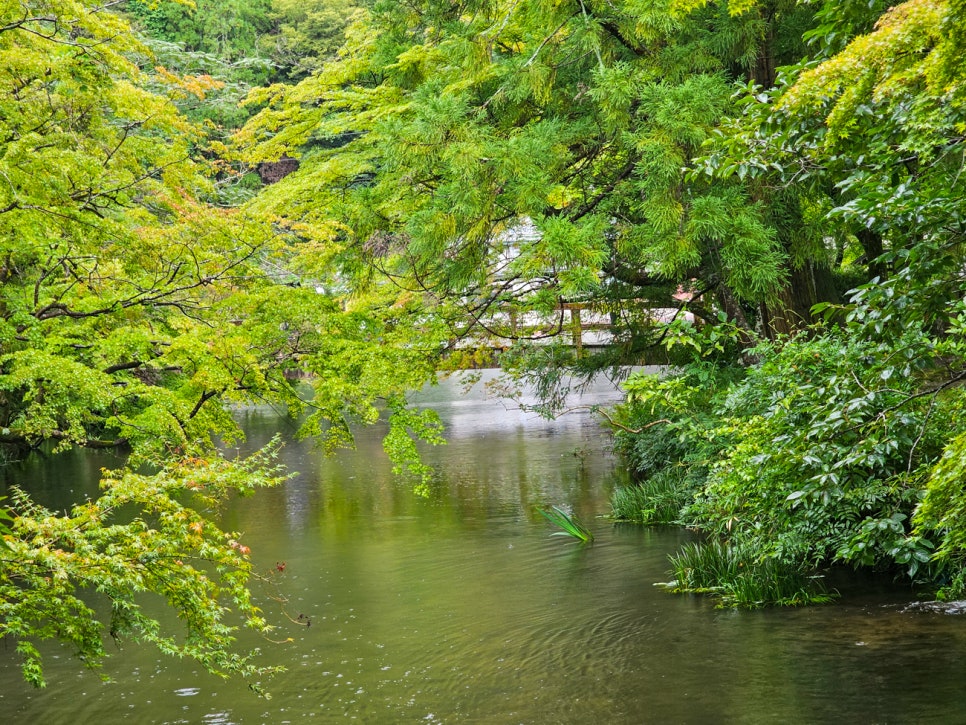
[[577, 329]]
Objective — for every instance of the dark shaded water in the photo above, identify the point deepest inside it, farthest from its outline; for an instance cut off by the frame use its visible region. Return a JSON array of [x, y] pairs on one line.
[[460, 608]]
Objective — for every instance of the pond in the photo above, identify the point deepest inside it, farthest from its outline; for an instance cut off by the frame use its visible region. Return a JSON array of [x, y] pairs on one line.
[[460, 607]]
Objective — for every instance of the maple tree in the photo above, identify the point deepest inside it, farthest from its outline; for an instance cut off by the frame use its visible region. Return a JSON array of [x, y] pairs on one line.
[[133, 315]]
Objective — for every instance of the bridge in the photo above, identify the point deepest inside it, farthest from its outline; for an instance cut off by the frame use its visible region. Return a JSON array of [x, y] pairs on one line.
[[580, 325]]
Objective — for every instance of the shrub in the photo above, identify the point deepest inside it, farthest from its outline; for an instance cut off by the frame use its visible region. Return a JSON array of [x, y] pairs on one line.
[[822, 451]]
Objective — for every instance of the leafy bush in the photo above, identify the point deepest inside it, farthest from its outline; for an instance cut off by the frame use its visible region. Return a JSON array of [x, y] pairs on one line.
[[822, 451], [668, 420]]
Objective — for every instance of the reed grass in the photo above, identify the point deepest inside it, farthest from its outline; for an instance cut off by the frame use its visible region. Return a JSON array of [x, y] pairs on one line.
[[656, 500], [742, 579]]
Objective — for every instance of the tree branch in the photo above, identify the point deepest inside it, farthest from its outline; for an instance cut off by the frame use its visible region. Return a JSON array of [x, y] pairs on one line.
[[634, 431]]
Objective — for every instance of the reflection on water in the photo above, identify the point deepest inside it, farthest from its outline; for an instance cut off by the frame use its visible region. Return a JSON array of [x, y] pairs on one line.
[[460, 608]]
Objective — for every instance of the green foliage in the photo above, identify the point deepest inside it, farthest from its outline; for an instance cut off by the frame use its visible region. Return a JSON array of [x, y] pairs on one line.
[[133, 315], [207, 56], [405, 426], [666, 432], [668, 420], [817, 454], [129, 309], [436, 135], [228, 30], [838, 23], [136, 537], [814, 458], [742, 580], [308, 34], [568, 523], [612, 136], [845, 444], [658, 499]]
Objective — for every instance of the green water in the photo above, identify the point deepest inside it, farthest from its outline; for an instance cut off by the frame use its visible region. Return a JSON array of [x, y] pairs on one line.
[[460, 608]]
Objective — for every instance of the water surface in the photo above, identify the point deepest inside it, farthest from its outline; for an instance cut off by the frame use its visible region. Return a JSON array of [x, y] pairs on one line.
[[460, 608]]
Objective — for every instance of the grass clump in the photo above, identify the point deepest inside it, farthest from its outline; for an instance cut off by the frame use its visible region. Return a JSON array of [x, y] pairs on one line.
[[741, 580], [656, 500]]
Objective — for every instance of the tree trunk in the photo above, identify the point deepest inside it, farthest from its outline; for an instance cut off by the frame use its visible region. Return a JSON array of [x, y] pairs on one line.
[[735, 314], [872, 246], [764, 73], [807, 286]]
